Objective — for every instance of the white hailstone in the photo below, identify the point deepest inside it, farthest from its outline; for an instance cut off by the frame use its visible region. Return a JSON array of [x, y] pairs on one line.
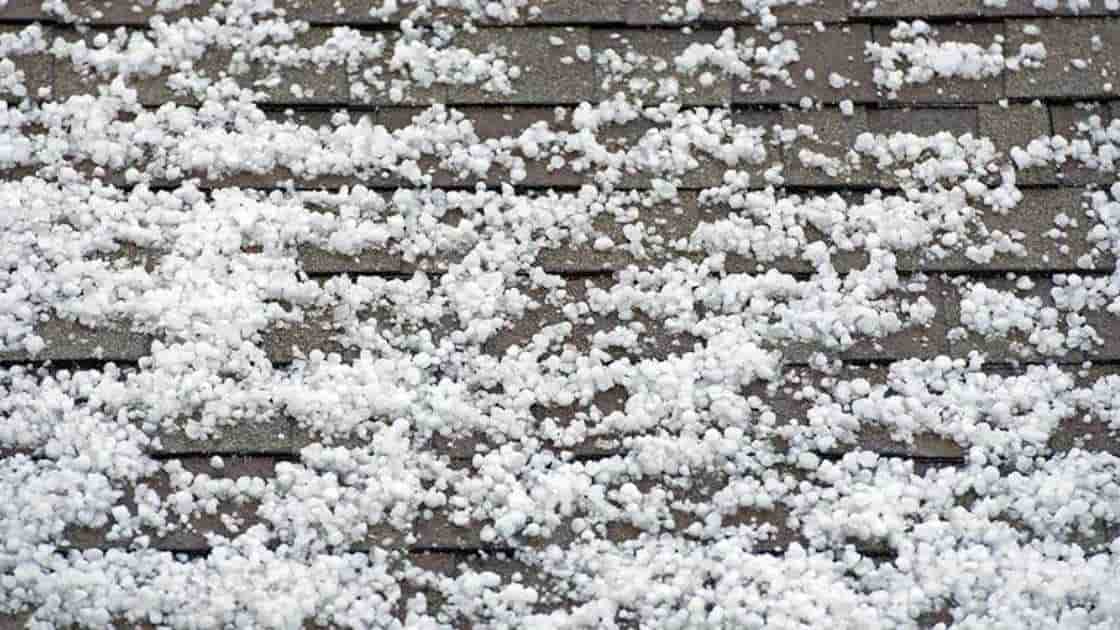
[[914, 56]]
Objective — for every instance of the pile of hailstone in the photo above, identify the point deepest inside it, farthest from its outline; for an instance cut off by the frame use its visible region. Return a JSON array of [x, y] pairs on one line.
[[676, 444]]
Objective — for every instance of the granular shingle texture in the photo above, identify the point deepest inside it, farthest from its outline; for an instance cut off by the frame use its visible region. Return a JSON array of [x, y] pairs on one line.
[[559, 314]]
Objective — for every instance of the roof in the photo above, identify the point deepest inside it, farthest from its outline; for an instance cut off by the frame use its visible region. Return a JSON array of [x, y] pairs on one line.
[[559, 313]]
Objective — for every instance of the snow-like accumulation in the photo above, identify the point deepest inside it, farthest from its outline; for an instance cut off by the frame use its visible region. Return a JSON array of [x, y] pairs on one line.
[[387, 379], [915, 56]]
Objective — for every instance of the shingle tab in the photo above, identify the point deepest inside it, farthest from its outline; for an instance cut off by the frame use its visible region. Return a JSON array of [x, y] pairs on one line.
[[190, 533], [655, 337], [663, 12], [956, 89], [24, 10], [355, 12], [837, 49], [917, 340], [792, 398], [270, 436], [550, 68], [665, 223], [1016, 344], [1052, 224], [1088, 429], [965, 9], [1016, 126], [36, 69], [72, 79], [1081, 58], [1071, 122], [641, 64], [131, 12], [299, 79], [493, 124], [923, 121], [68, 340], [576, 11], [833, 136]]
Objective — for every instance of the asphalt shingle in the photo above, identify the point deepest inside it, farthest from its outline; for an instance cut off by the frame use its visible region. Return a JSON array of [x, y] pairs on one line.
[[1081, 58], [956, 89], [550, 68], [835, 49]]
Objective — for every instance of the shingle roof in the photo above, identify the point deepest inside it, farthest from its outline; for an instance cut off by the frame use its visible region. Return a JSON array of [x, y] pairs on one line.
[[480, 397]]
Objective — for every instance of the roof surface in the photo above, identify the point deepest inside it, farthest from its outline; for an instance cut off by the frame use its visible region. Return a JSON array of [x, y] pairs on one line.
[[534, 314]]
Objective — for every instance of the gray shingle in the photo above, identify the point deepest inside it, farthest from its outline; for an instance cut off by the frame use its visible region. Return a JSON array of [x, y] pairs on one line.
[[493, 124], [333, 11], [791, 399], [837, 49], [191, 534], [924, 9], [1050, 246], [37, 68], [833, 136], [550, 68], [306, 82], [72, 79], [1015, 126], [1087, 430], [315, 260], [575, 11], [956, 89], [914, 340], [640, 62], [497, 123], [131, 12], [67, 340], [375, 82], [923, 121], [655, 337], [272, 436], [1070, 122], [964, 9], [1068, 44], [667, 222], [1015, 346], [836, 133], [602, 404], [371, 260], [24, 10], [1034, 223], [287, 341], [539, 12], [644, 166], [659, 12], [14, 621], [925, 341], [743, 263]]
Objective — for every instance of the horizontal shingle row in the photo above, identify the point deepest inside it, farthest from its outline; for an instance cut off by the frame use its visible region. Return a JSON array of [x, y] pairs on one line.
[[285, 342], [835, 133], [437, 528], [1080, 63], [633, 12], [790, 399]]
